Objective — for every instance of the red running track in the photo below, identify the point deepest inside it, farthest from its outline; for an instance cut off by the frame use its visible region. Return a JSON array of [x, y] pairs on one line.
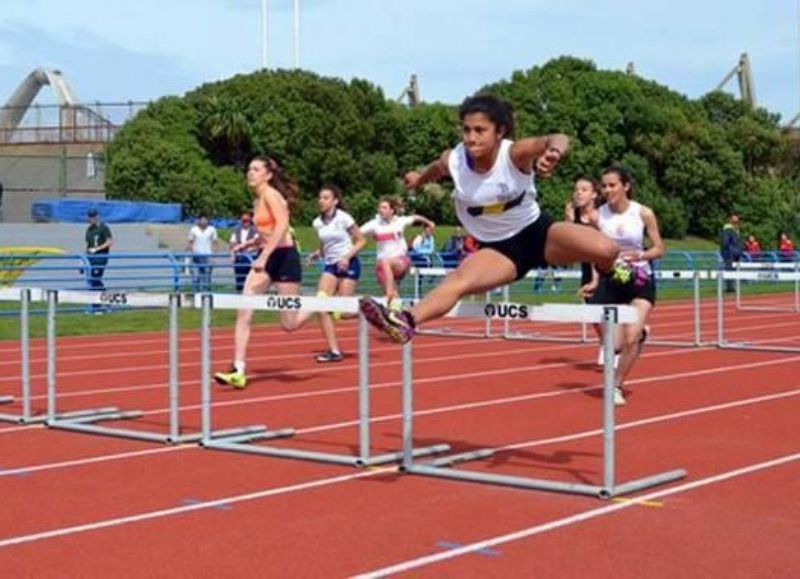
[[100, 506]]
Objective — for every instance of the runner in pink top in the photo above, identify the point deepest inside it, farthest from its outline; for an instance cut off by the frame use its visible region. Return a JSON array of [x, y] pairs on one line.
[[392, 261]]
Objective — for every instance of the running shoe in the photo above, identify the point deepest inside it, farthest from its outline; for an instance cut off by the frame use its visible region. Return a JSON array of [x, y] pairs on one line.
[[231, 378], [329, 356], [398, 325], [619, 397]]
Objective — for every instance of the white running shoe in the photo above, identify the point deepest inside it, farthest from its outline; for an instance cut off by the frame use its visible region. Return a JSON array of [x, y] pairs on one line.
[[619, 397]]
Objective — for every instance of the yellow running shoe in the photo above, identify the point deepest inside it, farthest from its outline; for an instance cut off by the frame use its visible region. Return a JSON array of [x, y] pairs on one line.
[[231, 378]]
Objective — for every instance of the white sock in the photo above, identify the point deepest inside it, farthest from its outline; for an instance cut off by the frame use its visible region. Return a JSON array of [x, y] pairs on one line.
[[239, 366]]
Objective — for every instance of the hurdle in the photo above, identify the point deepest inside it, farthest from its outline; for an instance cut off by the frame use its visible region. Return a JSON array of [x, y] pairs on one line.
[[419, 274], [766, 268], [695, 341], [609, 316], [241, 443], [25, 296], [86, 421], [772, 275]]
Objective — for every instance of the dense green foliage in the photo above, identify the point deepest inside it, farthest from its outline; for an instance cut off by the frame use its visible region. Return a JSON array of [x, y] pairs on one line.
[[694, 161]]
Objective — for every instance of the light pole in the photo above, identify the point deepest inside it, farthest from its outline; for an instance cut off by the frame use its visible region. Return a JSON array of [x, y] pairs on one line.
[[264, 61], [296, 61]]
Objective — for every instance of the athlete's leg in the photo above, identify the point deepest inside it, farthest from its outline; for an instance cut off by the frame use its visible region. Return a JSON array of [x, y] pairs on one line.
[[569, 243], [485, 270], [630, 346]]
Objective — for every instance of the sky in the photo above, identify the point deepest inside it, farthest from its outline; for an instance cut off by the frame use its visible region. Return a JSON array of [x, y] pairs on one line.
[[140, 50]]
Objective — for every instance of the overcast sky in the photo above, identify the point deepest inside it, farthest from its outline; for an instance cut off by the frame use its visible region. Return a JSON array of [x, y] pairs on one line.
[[113, 50]]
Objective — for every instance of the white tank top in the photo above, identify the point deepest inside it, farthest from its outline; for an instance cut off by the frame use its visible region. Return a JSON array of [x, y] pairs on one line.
[[626, 229], [504, 182], [334, 235]]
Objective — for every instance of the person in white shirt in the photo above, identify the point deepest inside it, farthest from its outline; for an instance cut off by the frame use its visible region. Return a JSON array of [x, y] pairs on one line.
[[201, 244], [340, 240], [391, 261], [627, 222], [495, 200]]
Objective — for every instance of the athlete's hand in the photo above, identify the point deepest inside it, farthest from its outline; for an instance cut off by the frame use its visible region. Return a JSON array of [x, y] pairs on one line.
[[587, 290], [411, 180], [343, 265], [546, 164], [259, 265]]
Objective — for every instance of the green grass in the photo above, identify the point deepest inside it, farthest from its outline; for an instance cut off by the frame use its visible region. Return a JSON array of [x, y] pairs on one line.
[[71, 323]]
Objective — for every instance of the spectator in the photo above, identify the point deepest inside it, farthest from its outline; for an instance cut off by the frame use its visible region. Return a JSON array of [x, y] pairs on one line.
[[201, 244], [752, 248], [730, 247], [469, 246], [98, 244], [455, 245], [785, 247], [423, 245], [244, 248]]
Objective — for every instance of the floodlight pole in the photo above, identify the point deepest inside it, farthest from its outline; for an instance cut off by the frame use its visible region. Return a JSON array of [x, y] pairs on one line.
[[296, 63]]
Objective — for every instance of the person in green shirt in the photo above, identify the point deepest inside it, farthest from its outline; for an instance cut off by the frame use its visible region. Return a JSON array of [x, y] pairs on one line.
[[98, 244]]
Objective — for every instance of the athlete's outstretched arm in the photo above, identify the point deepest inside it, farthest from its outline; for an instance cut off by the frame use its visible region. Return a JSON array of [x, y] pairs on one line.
[[545, 151], [433, 172]]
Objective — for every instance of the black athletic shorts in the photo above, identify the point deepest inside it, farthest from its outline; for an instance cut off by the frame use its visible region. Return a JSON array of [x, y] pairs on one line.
[[610, 292], [284, 265], [526, 248]]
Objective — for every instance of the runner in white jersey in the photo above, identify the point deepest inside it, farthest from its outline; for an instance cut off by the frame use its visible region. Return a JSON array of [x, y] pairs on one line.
[[627, 222], [340, 240], [495, 200], [391, 261]]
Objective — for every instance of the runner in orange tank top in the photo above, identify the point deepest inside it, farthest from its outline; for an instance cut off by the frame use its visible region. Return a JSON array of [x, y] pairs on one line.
[[278, 263]]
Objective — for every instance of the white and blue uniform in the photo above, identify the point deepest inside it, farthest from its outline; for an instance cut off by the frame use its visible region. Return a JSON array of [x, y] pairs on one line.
[[495, 205], [334, 236], [499, 208]]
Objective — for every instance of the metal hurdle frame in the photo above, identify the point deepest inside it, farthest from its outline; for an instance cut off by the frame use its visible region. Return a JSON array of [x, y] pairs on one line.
[[25, 297], [659, 275], [419, 273], [771, 275], [85, 420], [609, 316], [794, 267], [241, 443]]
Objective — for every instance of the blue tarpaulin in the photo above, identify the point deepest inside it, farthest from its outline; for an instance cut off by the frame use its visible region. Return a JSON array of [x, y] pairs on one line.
[[74, 210]]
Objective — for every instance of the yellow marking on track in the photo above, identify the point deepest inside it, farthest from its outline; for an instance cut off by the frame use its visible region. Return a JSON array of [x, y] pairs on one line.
[[638, 501]]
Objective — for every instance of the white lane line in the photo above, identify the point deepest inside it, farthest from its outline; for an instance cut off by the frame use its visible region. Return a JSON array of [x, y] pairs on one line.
[[21, 539], [573, 519]]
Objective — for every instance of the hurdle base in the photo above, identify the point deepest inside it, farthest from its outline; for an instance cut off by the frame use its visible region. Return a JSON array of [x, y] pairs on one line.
[[22, 419], [757, 348], [240, 444], [453, 459], [242, 431], [545, 485], [6, 399], [398, 456]]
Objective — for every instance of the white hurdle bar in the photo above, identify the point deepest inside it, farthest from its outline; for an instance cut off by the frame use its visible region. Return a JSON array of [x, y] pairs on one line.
[[755, 275], [660, 275], [84, 420], [344, 305], [766, 269], [25, 296], [609, 316]]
